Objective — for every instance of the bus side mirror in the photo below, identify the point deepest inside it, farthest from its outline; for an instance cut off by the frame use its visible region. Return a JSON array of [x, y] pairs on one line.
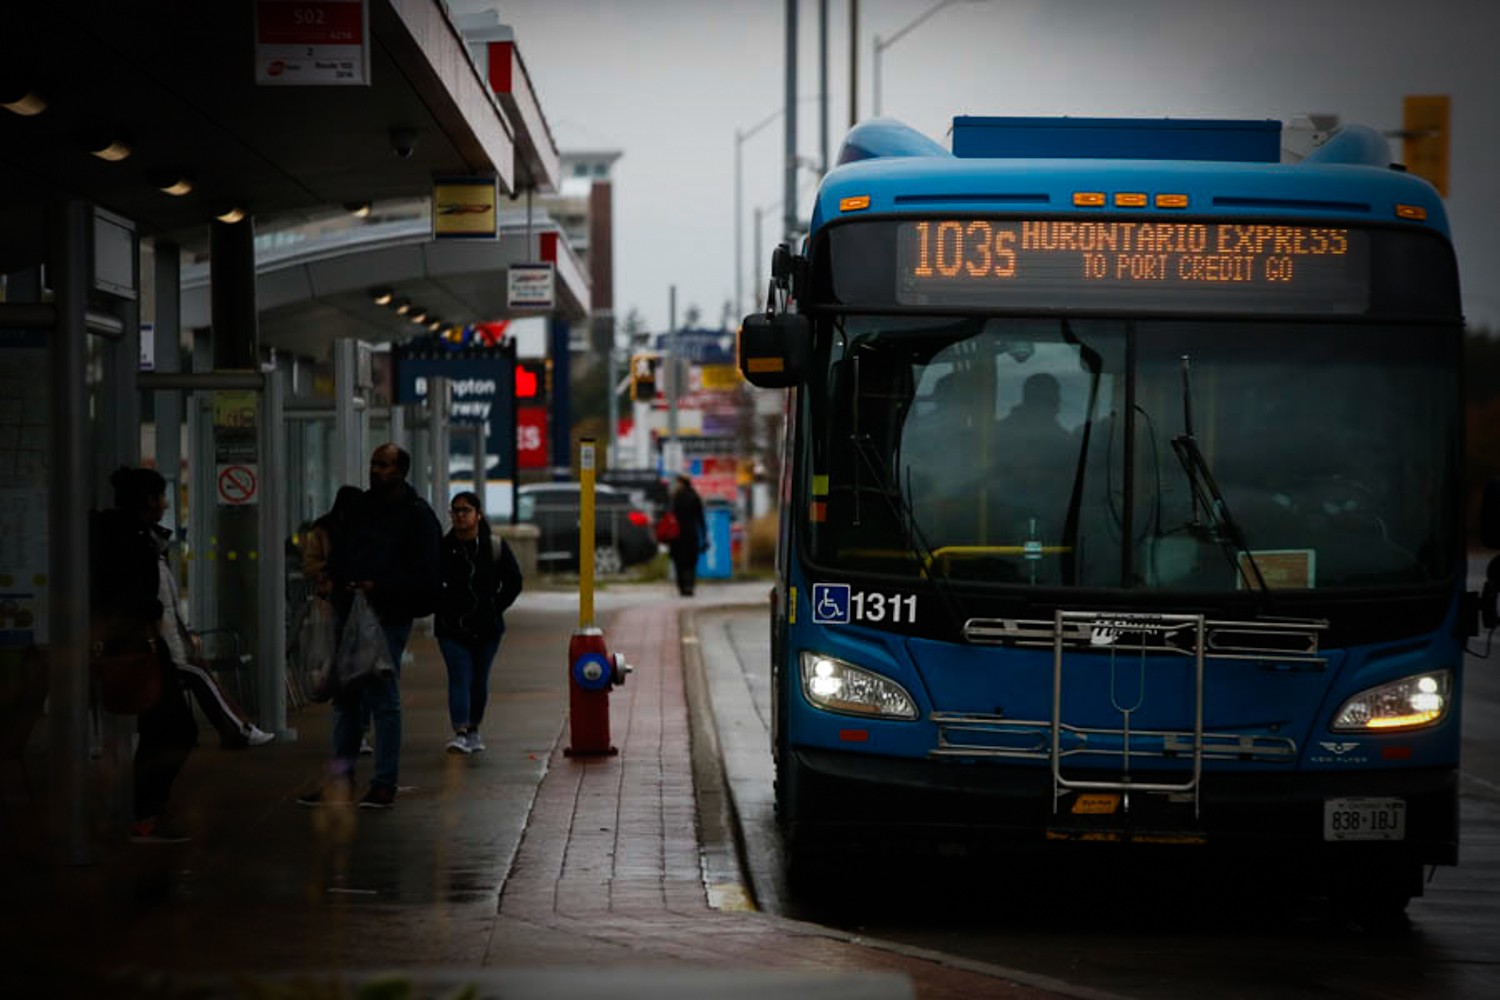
[[775, 349]]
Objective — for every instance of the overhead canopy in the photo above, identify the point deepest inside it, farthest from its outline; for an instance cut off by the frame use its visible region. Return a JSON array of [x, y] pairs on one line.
[[320, 289], [176, 83]]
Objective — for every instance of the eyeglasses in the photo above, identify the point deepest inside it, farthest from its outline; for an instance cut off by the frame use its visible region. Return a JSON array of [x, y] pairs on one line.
[[462, 510]]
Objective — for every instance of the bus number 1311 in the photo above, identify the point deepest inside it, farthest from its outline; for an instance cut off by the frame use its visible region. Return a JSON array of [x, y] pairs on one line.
[[874, 607]]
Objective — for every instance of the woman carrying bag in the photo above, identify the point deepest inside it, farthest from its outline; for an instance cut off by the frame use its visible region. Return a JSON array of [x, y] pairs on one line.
[[480, 580]]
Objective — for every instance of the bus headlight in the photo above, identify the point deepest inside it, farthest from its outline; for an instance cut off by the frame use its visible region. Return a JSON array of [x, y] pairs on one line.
[[842, 687], [1408, 703]]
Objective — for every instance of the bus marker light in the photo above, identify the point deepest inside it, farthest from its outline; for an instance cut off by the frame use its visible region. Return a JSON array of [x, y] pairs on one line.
[[1131, 199], [765, 364], [819, 512], [1415, 212], [1088, 199], [854, 203], [854, 735], [1096, 804], [1171, 201]]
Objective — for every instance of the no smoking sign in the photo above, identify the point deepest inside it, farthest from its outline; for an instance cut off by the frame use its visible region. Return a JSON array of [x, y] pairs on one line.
[[238, 485]]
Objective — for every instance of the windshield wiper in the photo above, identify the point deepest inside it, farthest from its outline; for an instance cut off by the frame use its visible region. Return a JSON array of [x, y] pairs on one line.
[[1207, 495], [896, 497], [901, 507]]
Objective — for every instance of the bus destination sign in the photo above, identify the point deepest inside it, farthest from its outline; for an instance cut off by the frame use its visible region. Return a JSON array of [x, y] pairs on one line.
[[1042, 262]]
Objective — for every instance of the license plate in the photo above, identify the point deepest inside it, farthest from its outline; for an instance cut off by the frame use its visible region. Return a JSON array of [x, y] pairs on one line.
[[1364, 818]]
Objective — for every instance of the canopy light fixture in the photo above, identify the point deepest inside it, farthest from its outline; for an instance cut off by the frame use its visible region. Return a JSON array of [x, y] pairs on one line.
[[418, 315], [113, 150], [231, 215], [435, 325], [382, 296], [403, 306], [174, 185], [358, 209], [22, 102]]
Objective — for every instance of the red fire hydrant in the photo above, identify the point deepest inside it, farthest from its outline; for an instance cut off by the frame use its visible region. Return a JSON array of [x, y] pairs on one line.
[[592, 672]]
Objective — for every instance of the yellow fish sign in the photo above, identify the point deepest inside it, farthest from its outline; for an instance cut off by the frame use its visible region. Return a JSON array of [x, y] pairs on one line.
[[465, 208]]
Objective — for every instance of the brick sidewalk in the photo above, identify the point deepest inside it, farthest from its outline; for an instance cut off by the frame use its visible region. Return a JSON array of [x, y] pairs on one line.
[[609, 870], [518, 862]]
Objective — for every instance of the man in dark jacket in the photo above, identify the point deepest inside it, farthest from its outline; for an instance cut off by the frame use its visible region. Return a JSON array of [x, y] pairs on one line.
[[387, 548]]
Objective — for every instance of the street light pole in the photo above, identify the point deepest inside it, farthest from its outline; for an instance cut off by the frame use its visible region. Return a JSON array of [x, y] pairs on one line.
[[739, 263], [881, 44]]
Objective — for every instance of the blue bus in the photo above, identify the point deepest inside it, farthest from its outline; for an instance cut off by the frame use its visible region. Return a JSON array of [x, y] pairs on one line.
[[1122, 498]]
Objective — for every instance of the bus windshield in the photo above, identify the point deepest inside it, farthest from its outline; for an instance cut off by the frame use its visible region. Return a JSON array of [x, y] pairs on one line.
[[1182, 454]]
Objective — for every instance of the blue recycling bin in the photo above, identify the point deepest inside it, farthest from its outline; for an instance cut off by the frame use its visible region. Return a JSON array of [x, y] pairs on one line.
[[718, 562]]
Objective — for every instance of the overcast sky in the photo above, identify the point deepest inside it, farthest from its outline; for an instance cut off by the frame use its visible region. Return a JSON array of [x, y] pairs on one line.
[[668, 83]]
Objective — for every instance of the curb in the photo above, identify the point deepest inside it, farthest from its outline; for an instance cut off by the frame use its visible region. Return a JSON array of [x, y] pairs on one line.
[[721, 847]]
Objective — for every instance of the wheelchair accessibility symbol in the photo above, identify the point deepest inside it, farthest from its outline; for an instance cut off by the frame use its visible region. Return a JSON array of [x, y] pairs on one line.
[[830, 603]]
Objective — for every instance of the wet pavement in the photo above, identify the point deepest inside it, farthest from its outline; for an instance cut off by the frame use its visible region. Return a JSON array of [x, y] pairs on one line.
[[521, 871]]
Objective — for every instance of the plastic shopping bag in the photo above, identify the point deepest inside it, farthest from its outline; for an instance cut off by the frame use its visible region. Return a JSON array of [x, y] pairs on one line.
[[316, 647], [363, 653]]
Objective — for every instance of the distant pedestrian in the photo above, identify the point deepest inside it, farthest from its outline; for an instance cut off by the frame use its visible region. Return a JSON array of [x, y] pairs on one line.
[[386, 548], [692, 534], [481, 579]]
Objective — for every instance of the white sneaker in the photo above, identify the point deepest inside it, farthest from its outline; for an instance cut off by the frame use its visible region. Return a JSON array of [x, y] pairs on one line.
[[459, 744], [365, 747], [475, 741], [258, 737]]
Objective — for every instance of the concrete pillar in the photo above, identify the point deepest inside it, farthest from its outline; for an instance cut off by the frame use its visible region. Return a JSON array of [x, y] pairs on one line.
[[350, 458], [437, 442], [236, 347], [67, 512], [167, 351]]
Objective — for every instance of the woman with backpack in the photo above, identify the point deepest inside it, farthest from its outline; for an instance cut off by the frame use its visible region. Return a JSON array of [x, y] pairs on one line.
[[480, 580]]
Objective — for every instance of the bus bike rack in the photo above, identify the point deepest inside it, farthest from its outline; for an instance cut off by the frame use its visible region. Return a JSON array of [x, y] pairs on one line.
[[1111, 631]]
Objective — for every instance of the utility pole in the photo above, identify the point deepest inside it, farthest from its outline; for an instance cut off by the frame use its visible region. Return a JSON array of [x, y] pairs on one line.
[[789, 199], [823, 85], [669, 453], [853, 62]]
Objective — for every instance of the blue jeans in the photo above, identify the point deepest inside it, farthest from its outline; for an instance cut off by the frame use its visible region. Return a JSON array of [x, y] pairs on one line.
[[380, 699], [468, 679]]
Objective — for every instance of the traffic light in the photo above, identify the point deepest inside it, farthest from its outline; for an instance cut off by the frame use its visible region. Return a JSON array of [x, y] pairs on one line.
[[531, 382], [643, 378], [1424, 138]]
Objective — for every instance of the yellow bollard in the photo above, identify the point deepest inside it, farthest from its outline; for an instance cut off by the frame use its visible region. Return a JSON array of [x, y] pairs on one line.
[[586, 533]]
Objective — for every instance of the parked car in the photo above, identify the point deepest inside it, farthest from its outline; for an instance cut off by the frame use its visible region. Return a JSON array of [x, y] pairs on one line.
[[622, 532]]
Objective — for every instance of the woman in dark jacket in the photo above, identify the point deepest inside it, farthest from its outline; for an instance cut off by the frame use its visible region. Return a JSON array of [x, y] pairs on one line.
[[692, 534], [481, 579]]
